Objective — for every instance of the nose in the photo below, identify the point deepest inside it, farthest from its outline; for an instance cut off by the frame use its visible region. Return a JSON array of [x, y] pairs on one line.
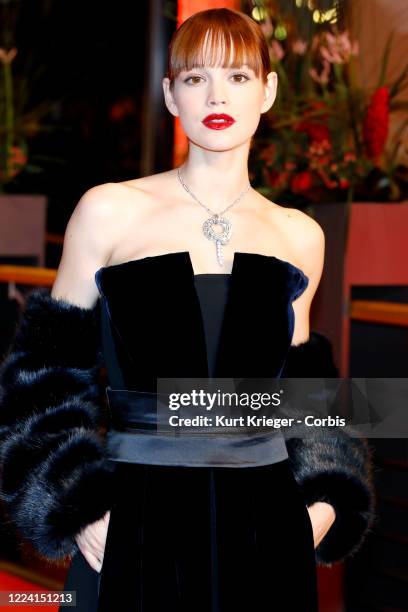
[[217, 95]]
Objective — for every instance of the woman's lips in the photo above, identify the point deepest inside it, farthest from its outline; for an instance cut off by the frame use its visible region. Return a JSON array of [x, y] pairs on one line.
[[218, 122]]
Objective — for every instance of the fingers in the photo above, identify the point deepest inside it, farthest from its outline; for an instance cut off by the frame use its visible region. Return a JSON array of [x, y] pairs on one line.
[[95, 538], [92, 559], [92, 541], [93, 554]]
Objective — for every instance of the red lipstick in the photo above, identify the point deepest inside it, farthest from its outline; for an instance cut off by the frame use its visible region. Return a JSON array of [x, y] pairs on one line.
[[218, 122]]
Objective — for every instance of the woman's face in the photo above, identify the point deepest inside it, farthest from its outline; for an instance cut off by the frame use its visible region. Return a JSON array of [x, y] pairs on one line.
[[238, 93]]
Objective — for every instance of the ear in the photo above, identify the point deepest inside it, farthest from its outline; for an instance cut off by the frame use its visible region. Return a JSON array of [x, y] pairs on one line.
[[270, 92], [169, 98]]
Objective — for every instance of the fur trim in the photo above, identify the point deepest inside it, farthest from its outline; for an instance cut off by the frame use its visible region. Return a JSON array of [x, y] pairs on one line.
[[70, 489], [43, 389], [331, 465], [55, 332], [313, 358], [55, 473], [336, 469]]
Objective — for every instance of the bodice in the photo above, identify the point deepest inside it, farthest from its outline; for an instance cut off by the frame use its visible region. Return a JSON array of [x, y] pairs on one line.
[[212, 291], [153, 324]]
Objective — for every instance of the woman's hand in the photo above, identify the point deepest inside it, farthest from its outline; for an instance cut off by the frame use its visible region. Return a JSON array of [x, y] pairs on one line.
[[322, 516], [91, 541]]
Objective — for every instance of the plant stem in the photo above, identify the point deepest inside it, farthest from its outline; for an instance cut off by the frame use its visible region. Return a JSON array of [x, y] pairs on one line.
[[8, 89]]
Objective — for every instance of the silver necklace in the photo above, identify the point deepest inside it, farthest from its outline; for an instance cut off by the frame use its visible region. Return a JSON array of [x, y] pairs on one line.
[[220, 238]]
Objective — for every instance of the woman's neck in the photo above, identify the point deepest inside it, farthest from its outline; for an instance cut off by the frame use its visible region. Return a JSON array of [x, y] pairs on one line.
[[218, 180]]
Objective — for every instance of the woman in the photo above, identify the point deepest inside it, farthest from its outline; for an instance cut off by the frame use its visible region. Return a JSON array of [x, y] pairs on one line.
[[147, 528]]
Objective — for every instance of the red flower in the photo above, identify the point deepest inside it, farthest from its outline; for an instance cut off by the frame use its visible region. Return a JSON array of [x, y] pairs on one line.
[[350, 156], [375, 127], [318, 105], [17, 161], [316, 131], [301, 182]]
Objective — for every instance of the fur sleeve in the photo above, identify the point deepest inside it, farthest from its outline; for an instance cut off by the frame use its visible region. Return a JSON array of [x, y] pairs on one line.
[[331, 465], [55, 477]]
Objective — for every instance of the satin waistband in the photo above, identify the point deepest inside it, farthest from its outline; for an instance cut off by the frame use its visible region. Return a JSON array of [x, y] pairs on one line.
[[135, 436]]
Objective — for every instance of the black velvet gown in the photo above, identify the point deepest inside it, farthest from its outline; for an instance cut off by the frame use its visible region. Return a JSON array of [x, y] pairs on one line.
[[202, 539]]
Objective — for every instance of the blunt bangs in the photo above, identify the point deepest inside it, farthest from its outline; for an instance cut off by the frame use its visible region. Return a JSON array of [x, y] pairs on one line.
[[218, 37]]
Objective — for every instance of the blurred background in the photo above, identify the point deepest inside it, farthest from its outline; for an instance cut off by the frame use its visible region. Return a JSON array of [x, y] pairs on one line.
[[81, 104]]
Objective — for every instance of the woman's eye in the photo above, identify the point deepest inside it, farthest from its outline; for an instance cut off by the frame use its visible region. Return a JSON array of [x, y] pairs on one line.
[[192, 77], [241, 75]]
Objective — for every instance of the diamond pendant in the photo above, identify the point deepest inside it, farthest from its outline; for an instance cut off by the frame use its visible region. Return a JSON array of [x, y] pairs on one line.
[[219, 238]]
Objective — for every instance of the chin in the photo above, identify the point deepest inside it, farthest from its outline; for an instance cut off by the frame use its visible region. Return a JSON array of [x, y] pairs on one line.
[[219, 144]]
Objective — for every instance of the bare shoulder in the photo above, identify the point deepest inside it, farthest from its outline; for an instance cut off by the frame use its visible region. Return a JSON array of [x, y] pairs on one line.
[[105, 211], [301, 225], [305, 234], [301, 231], [90, 236], [100, 204]]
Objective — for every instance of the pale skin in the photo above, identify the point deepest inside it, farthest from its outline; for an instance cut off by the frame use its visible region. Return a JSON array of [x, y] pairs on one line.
[[117, 222]]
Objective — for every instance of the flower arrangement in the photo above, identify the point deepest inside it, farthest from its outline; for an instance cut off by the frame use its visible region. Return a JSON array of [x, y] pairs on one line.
[[20, 120], [325, 138], [17, 124]]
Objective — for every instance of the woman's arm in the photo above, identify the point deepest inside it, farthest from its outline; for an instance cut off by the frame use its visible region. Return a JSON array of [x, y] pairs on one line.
[[54, 475], [309, 241], [330, 465], [88, 243]]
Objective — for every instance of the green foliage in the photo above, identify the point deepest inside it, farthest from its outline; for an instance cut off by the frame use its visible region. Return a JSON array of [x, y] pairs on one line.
[[20, 121]]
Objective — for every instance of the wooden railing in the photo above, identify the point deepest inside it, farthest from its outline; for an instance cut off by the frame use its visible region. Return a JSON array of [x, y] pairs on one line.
[[27, 275], [31, 275], [388, 313]]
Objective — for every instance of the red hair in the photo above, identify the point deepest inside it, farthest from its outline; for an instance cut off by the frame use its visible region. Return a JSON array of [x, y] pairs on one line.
[[229, 32]]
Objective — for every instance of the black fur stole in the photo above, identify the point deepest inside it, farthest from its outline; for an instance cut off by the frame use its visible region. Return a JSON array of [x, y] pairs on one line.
[[55, 478], [331, 465]]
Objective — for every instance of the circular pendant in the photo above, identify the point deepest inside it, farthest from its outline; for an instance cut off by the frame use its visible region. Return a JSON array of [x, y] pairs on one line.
[[221, 237]]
